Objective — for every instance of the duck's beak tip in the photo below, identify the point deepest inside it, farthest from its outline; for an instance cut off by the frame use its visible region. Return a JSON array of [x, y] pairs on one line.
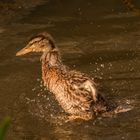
[[23, 51], [17, 54]]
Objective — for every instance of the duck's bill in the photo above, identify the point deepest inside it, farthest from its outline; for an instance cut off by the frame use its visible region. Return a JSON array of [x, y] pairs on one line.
[[23, 51]]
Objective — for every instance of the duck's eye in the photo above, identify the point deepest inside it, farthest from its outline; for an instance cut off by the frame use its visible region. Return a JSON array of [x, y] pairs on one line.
[[41, 46]]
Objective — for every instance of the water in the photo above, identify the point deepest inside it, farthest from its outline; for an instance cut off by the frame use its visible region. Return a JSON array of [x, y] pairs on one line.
[[99, 38]]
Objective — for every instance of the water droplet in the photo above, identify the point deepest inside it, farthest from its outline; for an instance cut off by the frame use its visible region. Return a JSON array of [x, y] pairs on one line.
[[110, 77], [98, 69], [102, 65]]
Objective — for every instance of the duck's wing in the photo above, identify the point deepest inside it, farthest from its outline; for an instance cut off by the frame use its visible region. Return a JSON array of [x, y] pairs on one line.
[[84, 87]]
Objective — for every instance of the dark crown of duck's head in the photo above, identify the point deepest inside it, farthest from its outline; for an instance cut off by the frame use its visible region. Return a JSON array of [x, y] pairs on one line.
[[42, 42]]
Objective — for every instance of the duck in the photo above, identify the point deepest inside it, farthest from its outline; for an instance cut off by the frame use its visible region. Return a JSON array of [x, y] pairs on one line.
[[74, 91]]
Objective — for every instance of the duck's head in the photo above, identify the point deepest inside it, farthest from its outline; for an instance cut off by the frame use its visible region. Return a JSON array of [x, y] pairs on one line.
[[42, 42]]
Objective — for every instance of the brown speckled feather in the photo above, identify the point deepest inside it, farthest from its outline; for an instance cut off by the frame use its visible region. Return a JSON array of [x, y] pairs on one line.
[[74, 91]]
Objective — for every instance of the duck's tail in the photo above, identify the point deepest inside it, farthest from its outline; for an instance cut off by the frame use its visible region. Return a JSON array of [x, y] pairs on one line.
[[121, 109], [108, 109], [117, 110]]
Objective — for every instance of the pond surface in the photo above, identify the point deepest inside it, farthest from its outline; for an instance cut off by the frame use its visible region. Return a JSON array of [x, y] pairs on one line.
[[101, 39]]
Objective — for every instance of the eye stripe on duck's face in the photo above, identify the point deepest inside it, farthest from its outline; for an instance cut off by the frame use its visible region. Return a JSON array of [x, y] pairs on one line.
[[41, 39], [36, 40], [48, 39]]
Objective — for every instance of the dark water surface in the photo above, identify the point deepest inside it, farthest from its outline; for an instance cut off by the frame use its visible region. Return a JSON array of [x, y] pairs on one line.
[[99, 38]]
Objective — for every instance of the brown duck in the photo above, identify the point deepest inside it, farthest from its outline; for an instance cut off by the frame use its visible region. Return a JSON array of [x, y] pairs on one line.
[[75, 91]]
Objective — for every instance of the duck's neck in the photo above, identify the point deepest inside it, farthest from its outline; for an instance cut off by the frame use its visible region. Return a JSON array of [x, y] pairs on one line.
[[51, 62], [51, 58]]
